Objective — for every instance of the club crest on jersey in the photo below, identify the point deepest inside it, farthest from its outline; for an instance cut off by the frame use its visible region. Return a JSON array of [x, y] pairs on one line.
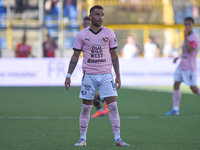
[[105, 39], [87, 39]]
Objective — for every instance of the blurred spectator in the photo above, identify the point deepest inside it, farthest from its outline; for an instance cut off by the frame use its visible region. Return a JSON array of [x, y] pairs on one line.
[[130, 49], [51, 8], [20, 5], [170, 51], [48, 5], [86, 22], [150, 49], [185, 9], [195, 9], [70, 9], [23, 49], [49, 47]]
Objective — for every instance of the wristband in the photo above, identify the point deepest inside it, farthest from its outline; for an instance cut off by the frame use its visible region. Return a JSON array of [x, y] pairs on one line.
[[68, 75]]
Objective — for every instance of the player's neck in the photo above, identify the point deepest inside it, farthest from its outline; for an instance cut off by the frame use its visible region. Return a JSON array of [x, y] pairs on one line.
[[94, 28]]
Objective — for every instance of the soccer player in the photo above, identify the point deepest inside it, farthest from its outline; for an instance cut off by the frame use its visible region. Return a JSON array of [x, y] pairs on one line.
[[86, 22], [100, 110], [186, 71], [98, 44]]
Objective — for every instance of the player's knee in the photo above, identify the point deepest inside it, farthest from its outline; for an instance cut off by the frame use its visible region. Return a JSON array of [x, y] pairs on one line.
[[112, 108], [194, 89], [86, 109], [176, 86]]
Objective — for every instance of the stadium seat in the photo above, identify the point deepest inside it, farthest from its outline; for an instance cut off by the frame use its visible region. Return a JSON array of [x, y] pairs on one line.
[[70, 36], [49, 21], [53, 32], [3, 42], [70, 12], [1, 3], [2, 20]]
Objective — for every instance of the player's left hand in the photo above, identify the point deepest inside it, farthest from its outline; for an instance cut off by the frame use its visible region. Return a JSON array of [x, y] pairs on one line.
[[67, 83], [117, 82]]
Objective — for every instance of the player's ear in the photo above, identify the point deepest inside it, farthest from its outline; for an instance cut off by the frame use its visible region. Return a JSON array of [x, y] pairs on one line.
[[90, 16]]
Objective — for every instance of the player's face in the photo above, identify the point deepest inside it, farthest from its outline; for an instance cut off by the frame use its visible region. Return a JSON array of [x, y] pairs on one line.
[[189, 25], [97, 17], [86, 23]]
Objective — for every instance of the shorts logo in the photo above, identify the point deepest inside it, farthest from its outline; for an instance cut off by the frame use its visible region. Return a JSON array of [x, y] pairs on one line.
[[190, 77], [113, 85], [105, 39], [87, 87], [84, 92]]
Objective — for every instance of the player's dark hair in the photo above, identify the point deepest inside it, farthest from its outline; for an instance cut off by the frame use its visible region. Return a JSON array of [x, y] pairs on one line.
[[86, 18], [189, 19], [95, 7]]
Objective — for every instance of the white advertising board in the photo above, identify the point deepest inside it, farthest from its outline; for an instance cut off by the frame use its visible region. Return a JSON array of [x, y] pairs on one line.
[[52, 72]]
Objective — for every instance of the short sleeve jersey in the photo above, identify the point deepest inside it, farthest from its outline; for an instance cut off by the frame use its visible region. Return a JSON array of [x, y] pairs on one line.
[[188, 60], [23, 50], [96, 49]]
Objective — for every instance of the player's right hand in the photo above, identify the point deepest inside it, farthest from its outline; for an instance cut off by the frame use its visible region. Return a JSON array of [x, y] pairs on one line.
[[175, 59], [67, 83]]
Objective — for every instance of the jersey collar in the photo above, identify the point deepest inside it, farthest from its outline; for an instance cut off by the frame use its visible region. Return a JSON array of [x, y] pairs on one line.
[[95, 32]]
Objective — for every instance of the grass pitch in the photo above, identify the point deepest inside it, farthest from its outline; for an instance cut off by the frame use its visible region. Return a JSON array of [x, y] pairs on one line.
[[47, 118]]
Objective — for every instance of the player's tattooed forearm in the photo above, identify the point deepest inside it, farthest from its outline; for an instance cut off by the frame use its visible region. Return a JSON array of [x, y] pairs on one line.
[[115, 62], [72, 66]]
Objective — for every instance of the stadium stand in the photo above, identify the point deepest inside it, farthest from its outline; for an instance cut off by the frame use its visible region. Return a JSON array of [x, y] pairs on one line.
[[161, 19]]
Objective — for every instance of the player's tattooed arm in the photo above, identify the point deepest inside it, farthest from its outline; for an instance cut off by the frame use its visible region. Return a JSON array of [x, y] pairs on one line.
[[115, 61], [73, 61]]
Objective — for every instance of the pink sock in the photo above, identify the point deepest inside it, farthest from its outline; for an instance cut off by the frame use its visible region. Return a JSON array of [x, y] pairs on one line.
[[114, 117], [85, 117], [198, 92], [176, 99]]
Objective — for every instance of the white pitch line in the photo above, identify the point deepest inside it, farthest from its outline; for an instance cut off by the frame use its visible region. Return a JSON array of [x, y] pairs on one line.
[[77, 117], [157, 90]]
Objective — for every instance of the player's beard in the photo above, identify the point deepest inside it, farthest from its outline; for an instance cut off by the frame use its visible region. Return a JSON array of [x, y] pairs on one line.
[[96, 24]]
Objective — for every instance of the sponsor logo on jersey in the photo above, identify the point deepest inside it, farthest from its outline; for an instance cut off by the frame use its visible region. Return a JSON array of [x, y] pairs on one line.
[[96, 60], [87, 39], [96, 52], [105, 39]]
